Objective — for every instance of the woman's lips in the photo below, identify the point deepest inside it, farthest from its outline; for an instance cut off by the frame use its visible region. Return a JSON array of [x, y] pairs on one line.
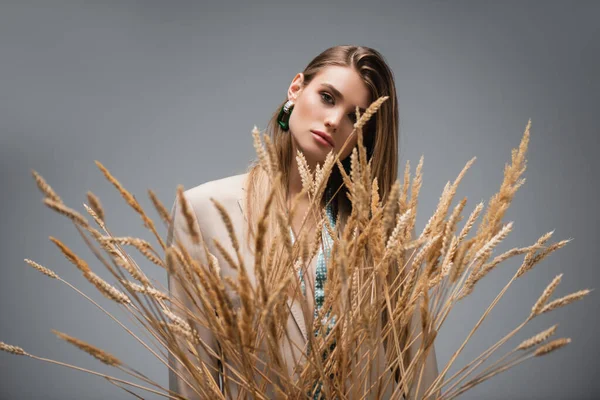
[[323, 138]]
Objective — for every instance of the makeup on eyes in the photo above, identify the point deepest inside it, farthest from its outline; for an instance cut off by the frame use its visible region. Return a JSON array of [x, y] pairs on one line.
[[351, 116]]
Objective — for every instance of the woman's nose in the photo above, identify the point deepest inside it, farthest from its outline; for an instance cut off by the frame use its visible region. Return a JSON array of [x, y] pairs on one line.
[[333, 119]]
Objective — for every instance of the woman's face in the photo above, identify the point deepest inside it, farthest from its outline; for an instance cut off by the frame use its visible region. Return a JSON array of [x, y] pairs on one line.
[[324, 112]]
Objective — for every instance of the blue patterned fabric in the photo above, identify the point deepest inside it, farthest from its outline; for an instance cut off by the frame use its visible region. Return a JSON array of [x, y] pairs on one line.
[[321, 275]]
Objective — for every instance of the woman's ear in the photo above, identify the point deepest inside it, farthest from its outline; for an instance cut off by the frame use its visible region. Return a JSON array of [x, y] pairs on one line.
[[296, 86]]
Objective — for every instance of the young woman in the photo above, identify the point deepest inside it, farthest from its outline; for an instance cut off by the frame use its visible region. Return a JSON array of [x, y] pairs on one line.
[[317, 117]]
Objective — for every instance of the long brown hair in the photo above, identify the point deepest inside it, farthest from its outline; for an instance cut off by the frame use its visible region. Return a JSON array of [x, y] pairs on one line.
[[380, 135]]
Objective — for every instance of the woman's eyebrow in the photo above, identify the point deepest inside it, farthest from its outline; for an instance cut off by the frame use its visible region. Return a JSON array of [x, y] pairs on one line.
[[337, 93]]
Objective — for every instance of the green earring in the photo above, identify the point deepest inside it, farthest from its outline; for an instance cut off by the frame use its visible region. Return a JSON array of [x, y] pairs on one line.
[[283, 119]]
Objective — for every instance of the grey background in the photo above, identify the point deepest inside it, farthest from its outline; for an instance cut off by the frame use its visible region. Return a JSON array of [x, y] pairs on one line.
[[165, 93]]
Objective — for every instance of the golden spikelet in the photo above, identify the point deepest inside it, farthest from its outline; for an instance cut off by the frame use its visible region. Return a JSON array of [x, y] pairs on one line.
[[42, 269], [451, 225], [375, 200], [96, 205], [493, 242], [260, 151], [537, 339], [563, 301], [539, 304], [94, 215], [16, 350], [177, 320], [109, 291], [66, 211], [45, 188], [537, 258], [228, 224], [188, 215], [141, 245], [190, 335], [225, 254], [163, 213], [304, 171], [498, 204], [94, 351], [488, 267], [72, 257], [271, 156], [372, 109], [147, 290], [550, 347], [129, 198]]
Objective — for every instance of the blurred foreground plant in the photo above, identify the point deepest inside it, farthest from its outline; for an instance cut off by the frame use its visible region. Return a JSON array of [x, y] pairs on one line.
[[378, 277]]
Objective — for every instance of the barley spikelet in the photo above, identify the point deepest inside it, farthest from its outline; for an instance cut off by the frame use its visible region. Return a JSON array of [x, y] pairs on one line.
[[179, 330], [119, 259], [401, 221], [177, 320], [446, 268], [375, 200], [304, 170], [228, 258], [45, 188], [539, 304], [486, 268], [563, 301], [499, 237], [347, 181], [188, 215], [451, 225], [414, 191], [527, 262], [228, 224], [372, 109], [141, 245], [42, 269], [537, 339], [148, 290], [550, 347], [72, 257], [391, 207], [271, 155], [94, 351], [260, 151], [95, 204], [66, 211], [160, 207], [107, 289], [499, 203], [322, 174], [94, 215], [537, 258], [538, 245], [127, 241], [151, 256], [470, 222], [16, 350], [129, 198]]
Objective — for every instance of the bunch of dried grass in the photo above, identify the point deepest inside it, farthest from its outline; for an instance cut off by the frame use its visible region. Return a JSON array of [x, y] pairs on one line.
[[373, 288]]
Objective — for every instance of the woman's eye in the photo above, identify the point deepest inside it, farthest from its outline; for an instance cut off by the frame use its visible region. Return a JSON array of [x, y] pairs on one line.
[[326, 97]]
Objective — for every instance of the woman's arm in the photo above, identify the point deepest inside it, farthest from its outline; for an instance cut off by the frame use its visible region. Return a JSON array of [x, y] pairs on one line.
[[178, 234]]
